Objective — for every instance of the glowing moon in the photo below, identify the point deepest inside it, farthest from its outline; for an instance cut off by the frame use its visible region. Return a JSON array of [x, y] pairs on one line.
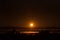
[[31, 25]]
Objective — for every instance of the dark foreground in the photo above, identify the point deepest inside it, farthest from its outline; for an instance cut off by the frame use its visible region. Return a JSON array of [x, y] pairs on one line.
[[43, 35]]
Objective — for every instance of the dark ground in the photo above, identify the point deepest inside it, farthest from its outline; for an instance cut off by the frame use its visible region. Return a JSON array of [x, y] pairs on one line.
[[43, 35]]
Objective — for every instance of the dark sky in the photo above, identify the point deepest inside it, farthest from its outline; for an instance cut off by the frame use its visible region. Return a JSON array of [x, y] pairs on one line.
[[21, 12]]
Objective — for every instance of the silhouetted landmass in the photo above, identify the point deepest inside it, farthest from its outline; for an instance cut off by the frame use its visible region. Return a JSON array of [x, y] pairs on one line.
[[16, 35]]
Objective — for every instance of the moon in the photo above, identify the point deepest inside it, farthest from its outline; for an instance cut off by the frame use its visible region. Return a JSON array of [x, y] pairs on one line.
[[31, 25]]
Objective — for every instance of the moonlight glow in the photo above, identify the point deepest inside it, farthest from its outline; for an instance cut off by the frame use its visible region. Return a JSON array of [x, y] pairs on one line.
[[31, 25]]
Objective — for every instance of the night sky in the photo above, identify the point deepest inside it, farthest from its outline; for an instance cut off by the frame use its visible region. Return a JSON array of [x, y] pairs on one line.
[[21, 12]]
